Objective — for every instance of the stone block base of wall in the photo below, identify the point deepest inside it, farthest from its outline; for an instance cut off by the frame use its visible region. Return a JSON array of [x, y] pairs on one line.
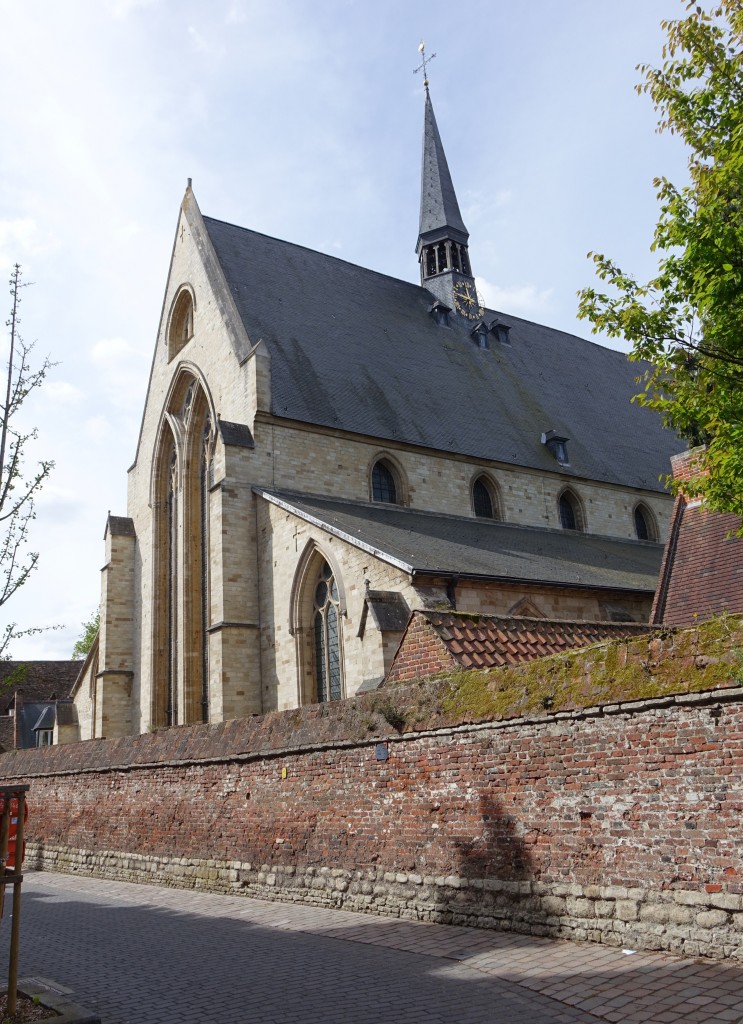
[[689, 922]]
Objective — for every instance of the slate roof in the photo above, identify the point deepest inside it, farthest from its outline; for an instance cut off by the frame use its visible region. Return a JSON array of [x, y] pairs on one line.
[[7, 732], [120, 526], [46, 719], [39, 680], [27, 719], [439, 206], [491, 641], [389, 611], [357, 350], [434, 544]]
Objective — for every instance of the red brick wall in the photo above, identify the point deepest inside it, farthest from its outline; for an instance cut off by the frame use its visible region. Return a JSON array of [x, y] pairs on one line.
[[684, 465], [422, 653], [648, 799]]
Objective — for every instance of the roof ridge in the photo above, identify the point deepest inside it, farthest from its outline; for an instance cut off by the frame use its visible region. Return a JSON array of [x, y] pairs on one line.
[[412, 284], [319, 252], [583, 623]]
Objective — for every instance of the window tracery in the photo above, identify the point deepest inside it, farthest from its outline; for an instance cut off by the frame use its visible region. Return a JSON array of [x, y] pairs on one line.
[[326, 637]]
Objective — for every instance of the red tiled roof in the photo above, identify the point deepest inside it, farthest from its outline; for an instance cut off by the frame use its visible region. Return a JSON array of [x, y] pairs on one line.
[[487, 641], [702, 570], [492, 641]]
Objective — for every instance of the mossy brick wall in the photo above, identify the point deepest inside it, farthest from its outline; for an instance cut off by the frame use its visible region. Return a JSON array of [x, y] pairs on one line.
[[617, 822]]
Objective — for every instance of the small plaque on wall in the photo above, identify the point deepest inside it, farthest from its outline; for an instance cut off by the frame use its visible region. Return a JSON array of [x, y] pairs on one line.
[[382, 751]]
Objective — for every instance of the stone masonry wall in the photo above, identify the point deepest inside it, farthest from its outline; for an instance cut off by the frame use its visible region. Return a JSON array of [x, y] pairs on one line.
[[616, 824]]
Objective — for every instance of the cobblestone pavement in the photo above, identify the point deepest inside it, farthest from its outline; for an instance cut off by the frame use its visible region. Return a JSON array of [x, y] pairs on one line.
[[153, 955]]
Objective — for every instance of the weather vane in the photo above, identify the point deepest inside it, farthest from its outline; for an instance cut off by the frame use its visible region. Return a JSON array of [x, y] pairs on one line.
[[424, 61]]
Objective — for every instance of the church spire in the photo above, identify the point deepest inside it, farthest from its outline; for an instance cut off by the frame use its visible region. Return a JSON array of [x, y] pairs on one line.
[[440, 217], [442, 237]]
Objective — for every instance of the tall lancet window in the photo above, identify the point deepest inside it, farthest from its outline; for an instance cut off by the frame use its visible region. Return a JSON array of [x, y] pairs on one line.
[[205, 479], [171, 709], [326, 634]]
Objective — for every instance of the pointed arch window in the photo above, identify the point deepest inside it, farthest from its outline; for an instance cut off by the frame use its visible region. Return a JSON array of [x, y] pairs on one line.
[[383, 484], [570, 512], [205, 479], [645, 525], [181, 326], [485, 503], [182, 481], [171, 709], [326, 637]]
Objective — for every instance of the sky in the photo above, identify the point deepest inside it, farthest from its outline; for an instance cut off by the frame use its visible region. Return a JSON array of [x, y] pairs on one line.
[[301, 119]]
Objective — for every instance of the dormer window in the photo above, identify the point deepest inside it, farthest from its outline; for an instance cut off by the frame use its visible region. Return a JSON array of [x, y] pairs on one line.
[[501, 332], [558, 446], [440, 314], [480, 333]]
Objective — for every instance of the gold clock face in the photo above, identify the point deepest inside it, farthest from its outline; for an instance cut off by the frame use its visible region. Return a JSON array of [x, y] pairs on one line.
[[467, 301]]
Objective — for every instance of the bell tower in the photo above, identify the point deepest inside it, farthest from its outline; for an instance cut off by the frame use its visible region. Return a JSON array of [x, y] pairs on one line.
[[442, 249]]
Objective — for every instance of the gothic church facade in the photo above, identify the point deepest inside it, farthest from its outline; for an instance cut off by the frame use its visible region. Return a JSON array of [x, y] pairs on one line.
[[325, 449]]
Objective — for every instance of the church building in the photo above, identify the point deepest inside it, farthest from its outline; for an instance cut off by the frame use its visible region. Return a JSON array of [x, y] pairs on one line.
[[325, 450]]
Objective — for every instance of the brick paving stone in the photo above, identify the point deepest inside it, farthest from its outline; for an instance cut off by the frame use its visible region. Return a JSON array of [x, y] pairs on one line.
[[155, 955]]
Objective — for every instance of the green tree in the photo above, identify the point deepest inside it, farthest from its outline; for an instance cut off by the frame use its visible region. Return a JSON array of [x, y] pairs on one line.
[[687, 321], [85, 640], [18, 488]]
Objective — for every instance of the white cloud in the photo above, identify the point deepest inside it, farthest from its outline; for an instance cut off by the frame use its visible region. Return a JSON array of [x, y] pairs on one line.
[[235, 14], [97, 428], [202, 45], [58, 504], [21, 238], [61, 391], [111, 350], [121, 376], [479, 206], [123, 8], [523, 299]]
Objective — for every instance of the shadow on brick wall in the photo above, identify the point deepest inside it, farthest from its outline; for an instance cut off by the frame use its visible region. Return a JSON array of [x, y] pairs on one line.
[[498, 852], [493, 885]]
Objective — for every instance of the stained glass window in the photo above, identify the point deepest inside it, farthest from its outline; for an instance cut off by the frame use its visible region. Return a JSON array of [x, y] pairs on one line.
[[204, 482], [171, 711], [328, 669]]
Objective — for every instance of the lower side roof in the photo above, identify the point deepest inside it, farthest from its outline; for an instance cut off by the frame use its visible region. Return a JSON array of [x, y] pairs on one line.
[[433, 544]]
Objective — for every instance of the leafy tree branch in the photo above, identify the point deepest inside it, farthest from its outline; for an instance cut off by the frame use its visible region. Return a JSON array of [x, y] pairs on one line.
[[18, 488], [687, 320]]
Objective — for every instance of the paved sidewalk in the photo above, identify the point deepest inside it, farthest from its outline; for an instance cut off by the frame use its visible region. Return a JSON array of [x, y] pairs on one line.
[[153, 955]]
